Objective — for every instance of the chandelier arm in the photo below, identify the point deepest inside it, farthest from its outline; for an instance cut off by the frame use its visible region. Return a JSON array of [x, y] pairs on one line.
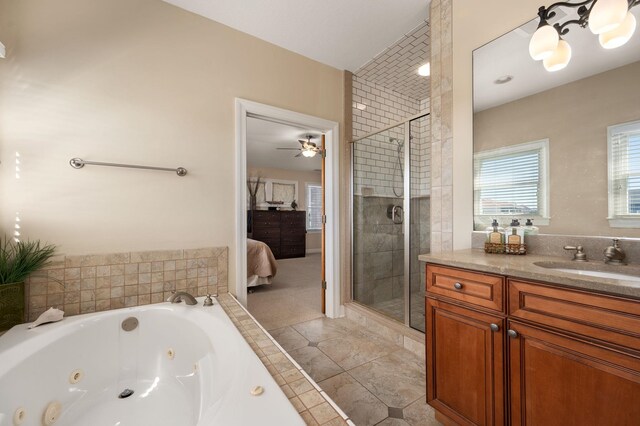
[[546, 13]]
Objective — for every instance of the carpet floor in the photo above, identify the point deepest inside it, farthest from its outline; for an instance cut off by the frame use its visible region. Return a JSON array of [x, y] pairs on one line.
[[292, 297]]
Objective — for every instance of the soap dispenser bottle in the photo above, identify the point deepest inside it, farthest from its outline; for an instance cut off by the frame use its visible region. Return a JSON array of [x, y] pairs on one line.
[[530, 228], [495, 233], [514, 236]]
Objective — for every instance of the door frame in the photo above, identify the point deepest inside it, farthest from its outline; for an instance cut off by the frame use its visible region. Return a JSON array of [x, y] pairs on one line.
[[245, 108]]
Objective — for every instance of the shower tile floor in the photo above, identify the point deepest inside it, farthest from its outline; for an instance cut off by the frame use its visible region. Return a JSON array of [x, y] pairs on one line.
[[374, 381], [395, 309]]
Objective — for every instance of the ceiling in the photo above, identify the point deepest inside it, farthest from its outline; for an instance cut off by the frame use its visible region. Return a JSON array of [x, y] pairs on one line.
[[396, 68], [263, 137], [339, 33], [509, 55]]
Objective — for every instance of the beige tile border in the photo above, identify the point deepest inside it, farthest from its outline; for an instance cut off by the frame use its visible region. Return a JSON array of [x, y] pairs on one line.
[[441, 126], [313, 404]]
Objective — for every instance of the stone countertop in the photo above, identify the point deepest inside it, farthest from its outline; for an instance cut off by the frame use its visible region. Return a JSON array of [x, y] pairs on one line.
[[525, 267]]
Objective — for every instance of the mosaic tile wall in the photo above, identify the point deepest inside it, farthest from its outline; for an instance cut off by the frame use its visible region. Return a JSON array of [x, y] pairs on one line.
[[91, 283]]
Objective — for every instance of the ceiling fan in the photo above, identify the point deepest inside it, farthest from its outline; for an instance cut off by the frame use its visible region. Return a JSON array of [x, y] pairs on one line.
[[307, 149]]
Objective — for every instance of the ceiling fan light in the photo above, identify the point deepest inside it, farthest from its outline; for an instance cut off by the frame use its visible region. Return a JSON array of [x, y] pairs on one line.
[[559, 59], [308, 153], [607, 15], [620, 35], [544, 42]]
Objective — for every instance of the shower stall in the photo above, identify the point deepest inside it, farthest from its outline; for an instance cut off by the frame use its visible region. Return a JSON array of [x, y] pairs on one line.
[[390, 189]]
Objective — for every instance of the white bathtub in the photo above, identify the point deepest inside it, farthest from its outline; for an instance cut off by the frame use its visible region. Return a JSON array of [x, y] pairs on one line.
[[187, 365]]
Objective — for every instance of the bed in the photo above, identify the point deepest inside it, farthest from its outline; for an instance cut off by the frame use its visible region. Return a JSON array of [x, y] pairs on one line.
[[261, 264]]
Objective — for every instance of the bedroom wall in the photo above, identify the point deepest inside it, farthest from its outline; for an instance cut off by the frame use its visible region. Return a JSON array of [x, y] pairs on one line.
[[140, 82], [314, 241]]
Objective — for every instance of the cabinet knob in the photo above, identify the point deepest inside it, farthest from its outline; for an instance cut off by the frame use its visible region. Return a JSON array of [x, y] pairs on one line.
[[512, 333], [457, 286], [494, 327]]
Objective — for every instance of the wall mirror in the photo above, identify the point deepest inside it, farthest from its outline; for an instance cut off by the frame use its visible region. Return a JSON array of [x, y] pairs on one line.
[[561, 147]]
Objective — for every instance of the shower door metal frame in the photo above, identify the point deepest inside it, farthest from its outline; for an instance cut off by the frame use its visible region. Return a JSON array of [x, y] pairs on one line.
[[406, 224]]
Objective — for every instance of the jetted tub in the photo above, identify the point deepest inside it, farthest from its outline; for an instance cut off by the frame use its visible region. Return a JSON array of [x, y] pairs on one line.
[[186, 365]]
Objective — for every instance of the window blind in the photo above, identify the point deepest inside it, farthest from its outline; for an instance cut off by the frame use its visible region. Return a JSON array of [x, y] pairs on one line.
[[510, 181], [314, 206], [624, 170]]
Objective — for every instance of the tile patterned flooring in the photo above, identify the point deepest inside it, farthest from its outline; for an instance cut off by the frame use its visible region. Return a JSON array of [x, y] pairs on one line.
[[372, 380]]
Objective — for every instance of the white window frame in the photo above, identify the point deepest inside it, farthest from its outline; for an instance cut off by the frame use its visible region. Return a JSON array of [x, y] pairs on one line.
[[268, 191], [543, 218], [616, 220], [307, 206]]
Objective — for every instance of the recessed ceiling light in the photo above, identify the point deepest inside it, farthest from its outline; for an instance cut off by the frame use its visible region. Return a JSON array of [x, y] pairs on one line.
[[425, 70], [504, 79]]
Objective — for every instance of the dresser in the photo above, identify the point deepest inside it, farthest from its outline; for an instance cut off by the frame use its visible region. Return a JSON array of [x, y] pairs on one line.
[[283, 231]]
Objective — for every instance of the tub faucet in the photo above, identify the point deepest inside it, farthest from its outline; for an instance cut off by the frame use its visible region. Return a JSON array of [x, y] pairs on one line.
[[180, 296], [614, 254]]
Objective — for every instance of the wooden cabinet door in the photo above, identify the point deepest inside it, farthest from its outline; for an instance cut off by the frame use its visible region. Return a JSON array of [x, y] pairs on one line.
[[465, 368], [556, 379]]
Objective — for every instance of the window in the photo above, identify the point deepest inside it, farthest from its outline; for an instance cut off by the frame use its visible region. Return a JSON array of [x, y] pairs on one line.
[[624, 174], [513, 182], [314, 207]]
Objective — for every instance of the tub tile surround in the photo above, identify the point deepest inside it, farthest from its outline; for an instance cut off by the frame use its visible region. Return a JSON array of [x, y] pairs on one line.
[[90, 283], [313, 404]]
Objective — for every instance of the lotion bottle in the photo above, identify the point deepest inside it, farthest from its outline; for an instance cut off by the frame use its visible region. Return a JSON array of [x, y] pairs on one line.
[[530, 228], [514, 235], [495, 236]]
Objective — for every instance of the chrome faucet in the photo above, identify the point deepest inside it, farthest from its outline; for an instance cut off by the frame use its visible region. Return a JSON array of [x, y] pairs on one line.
[[614, 254], [180, 296], [579, 255]]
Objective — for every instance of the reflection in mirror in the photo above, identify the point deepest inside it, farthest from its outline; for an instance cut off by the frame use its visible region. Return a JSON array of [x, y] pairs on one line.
[[562, 148]]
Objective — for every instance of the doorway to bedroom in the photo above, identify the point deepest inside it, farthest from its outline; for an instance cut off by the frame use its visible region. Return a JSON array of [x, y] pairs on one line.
[[284, 176]]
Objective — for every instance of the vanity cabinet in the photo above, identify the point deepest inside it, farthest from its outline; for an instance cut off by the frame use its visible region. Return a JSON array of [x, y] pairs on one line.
[[465, 349], [548, 355]]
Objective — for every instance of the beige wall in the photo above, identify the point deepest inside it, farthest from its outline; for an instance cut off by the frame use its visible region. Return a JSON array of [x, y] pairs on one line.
[[475, 23], [574, 118], [313, 238], [142, 82]]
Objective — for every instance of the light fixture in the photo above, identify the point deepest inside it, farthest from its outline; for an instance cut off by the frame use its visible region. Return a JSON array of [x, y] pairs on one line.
[[544, 41], [620, 35], [3, 51], [610, 19], [606, 15], [425, 70], [560, 57], [308, 153]]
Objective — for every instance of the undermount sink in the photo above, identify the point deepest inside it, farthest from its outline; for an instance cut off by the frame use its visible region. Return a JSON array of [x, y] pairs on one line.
[[589, 270]]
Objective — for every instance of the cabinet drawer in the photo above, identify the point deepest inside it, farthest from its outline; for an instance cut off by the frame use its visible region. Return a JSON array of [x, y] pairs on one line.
[[595, 316], [474, 288]]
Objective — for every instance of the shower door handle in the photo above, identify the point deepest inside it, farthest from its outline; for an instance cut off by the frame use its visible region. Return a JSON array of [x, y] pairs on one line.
[[395, 213]]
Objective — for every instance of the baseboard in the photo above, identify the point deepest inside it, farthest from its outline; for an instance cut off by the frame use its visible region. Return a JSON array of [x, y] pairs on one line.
[[311, 251]]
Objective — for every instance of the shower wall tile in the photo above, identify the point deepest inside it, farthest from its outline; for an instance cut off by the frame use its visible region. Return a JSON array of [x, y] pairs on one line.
[[90, 283]]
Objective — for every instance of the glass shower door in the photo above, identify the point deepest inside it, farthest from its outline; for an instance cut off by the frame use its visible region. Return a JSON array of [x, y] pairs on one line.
[[420, 216], [378, 222]]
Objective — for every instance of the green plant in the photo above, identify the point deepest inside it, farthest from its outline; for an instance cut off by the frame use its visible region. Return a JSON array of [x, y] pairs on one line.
[[20, 259]]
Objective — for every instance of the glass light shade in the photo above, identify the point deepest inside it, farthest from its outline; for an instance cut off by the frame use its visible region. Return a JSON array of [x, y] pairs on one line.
[[607, 15], [544, 42], [620, 35], [308, 153], [559, 59]]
